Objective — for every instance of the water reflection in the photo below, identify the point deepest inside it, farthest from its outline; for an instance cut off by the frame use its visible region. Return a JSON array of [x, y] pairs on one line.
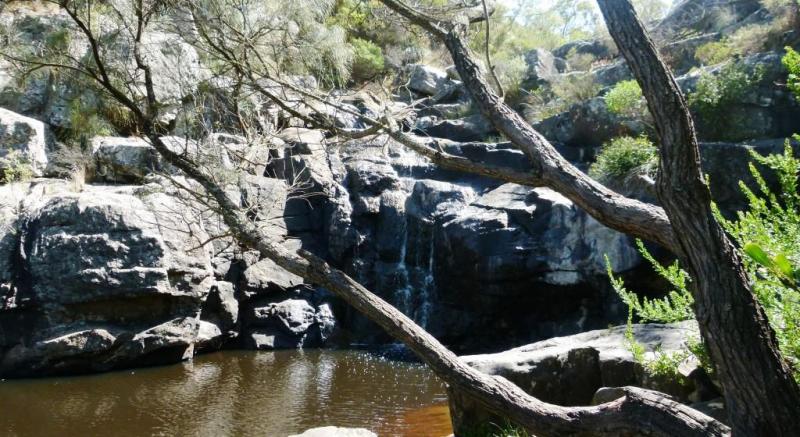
[[233, 393]]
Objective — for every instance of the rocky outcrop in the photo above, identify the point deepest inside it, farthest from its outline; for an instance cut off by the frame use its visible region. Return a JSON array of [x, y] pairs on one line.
[[425, 79], [24, 142], [542, 66], [112, 277], [99, 279], [580, 369], [760, 111]]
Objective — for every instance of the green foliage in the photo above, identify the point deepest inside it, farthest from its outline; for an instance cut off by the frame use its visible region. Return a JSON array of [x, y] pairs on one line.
[[622, 157], [15, 167], [751, 38], [575, 88], [85, 122], [665, 364], [715, 52], [676, 306], [715, 93], [368, 61], [791, 61], [508, 429], [626, 100], [769, 233]]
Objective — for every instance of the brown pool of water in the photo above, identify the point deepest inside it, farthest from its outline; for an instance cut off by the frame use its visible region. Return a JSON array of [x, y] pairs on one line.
[[233, 393]]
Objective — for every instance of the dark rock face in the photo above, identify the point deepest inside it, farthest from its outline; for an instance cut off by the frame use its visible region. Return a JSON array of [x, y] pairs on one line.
[[99, 279], [114, 277], [462, 255]]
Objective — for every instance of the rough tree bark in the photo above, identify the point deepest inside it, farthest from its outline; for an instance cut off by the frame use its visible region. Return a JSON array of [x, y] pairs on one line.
[[760, 392]]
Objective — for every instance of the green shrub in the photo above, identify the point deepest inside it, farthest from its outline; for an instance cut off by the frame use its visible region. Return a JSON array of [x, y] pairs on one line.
[[716, 93], [368, 61], [622, 157], [676, 306], [508, 429], [768, 232], [772, 223], [791, 61], [15, 168], [575, 88], [626, 100], [715, 52]]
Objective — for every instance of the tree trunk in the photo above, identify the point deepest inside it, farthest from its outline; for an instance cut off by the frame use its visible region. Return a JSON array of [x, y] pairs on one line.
[[761, 395]]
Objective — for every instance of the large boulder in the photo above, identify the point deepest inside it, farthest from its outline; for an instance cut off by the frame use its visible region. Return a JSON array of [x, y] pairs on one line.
[[291, 320], [104, 278], [23, 144], [570, 370], [123, 159], [425, 79], [542, 66]]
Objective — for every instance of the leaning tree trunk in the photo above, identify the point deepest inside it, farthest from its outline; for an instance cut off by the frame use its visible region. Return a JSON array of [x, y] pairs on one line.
[[761, 395], [638, 412]]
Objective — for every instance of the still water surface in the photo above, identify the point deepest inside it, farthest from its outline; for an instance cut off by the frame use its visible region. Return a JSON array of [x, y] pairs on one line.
[[233, 393]]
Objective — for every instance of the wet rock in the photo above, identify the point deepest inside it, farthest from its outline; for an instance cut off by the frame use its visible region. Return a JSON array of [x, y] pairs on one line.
[[289, 321], [24, 142]]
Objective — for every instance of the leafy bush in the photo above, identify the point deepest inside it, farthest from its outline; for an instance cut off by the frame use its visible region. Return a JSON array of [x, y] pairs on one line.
[[715, 52], [15, 168], [676, 306], [769, 234], [626, 100], [621, 157], [575, 88], [368, 60], [715, 94], [791, 61], [772, 224]]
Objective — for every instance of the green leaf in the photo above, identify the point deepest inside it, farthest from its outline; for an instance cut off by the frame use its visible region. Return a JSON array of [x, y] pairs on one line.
[[784, 265], [757, 254]]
